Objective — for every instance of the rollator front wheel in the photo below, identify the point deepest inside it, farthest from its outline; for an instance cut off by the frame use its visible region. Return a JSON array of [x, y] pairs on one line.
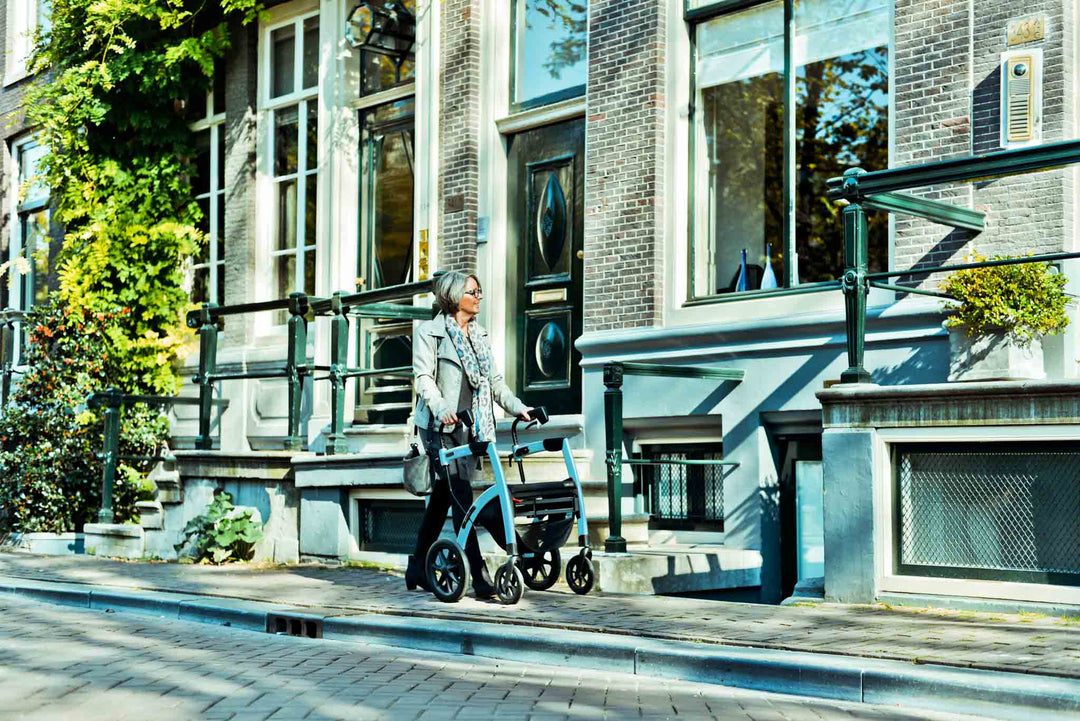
[[509, 584], [447, 570], [580, 575], [541, 570]]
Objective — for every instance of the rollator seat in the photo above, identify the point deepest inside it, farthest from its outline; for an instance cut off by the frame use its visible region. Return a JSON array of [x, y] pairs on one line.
[[552, 505]]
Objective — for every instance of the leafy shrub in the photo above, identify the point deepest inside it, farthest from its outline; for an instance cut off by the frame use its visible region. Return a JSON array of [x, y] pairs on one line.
[[119, 165], [224, 533], [1025, 300], [50, 474]]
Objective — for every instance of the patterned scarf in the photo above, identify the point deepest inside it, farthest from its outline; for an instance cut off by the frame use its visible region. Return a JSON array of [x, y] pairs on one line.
[[475, 357]]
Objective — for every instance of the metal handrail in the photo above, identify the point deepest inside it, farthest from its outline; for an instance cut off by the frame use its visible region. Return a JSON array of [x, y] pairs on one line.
[[112, 400], [862, 190], [613, 430]]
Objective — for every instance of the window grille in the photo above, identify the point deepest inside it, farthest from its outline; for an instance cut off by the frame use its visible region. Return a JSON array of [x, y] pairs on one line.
[[681, 495], [989, 511], [389, 526]]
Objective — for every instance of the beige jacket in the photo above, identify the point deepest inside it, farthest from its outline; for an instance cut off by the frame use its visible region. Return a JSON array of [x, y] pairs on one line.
[[433, 398]]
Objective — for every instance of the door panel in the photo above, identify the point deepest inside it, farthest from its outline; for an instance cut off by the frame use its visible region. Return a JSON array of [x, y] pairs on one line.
[[545, 244]]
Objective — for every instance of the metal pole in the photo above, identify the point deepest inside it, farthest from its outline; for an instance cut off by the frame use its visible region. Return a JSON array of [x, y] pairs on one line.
[[613, 419], [7, 347], [295, 366], [208, 337], [113, 399], [339, 360], [855, 286]]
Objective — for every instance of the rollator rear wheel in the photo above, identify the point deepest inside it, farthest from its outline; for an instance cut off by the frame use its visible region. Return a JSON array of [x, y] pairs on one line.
[[509, 584], [447, 570], [580, 575], [541, 571]]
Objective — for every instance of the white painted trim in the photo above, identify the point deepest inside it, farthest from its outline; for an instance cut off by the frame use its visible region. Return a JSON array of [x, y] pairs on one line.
[[493, 254], [19, 41], [277, 17], [426, 187], [400, 92], [886, 579], [543, 115]]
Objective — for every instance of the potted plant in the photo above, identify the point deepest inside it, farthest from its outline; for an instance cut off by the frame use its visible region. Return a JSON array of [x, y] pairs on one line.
[[1003, 313]]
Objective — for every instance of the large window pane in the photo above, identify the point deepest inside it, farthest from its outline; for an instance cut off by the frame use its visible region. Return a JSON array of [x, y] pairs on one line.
[[283, 61], [842, 122], [312, 136], [841, 117], [285, 140], [311, 52], [286, 215], [392, 207], [35, 242], [550, 48]]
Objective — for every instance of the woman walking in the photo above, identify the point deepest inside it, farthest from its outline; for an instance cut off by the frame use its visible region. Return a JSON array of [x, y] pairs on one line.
[[453, 369]]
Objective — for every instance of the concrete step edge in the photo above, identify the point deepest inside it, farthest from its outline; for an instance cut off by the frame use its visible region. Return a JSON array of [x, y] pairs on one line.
[[996, 694]]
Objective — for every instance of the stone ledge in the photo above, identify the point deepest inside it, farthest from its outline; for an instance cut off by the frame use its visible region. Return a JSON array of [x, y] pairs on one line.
[[951, 404], [252, 465]]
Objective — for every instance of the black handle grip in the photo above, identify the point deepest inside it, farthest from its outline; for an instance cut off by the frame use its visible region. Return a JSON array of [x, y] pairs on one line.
[[466, 417], [540, 413]]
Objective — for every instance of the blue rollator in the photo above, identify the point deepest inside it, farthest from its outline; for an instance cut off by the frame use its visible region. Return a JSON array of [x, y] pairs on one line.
[[546, 512]]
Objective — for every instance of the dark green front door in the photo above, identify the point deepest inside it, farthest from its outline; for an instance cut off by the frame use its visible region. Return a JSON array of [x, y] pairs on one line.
[[545, 263]]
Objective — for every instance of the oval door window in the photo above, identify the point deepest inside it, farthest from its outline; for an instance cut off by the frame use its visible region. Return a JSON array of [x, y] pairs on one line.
[[550, 350], [551, 222]]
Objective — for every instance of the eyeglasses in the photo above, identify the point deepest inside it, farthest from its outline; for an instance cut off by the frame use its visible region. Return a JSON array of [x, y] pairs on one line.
[[475, 293]]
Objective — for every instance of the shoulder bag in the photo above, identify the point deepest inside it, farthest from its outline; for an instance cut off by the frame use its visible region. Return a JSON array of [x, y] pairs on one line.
[[416, 474]]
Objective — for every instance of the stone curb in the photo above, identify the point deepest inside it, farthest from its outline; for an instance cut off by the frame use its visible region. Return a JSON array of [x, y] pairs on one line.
[[996, 694]]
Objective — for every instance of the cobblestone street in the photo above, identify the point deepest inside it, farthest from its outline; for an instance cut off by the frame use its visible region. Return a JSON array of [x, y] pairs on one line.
[[80, 665], [1027, 643]]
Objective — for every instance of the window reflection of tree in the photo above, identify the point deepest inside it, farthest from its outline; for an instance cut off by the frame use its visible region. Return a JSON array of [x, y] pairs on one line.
[[841, 122]]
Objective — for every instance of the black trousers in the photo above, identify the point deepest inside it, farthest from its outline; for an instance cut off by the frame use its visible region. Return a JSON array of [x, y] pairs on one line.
[[460, 474]]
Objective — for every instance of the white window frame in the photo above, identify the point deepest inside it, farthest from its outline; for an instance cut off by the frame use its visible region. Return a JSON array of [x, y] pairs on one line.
[[680, 124], [15, 245], [213, 123], [21, 26], [302, 99]]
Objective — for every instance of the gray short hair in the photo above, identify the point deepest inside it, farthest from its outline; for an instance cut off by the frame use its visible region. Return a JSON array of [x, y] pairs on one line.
[[449, 289]]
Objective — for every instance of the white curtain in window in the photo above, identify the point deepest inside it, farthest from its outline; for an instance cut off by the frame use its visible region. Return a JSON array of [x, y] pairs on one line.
[[751, 43]]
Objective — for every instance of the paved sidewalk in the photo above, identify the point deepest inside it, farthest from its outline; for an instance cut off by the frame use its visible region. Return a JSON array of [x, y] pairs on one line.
[[84, 665], [1029, 644]]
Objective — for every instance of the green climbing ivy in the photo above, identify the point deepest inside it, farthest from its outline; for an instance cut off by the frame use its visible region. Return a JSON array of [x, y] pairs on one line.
[[116, 75], [112, 80]]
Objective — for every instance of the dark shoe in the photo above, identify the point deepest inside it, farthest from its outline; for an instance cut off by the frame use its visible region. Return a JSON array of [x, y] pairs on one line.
[[414, 576], [482, 589], [481, 583]]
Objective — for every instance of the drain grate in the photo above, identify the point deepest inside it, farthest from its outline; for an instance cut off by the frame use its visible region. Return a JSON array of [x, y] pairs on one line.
[[285, 625]]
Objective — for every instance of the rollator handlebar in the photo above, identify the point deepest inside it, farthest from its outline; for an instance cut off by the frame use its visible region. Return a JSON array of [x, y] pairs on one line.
[[539, 415]]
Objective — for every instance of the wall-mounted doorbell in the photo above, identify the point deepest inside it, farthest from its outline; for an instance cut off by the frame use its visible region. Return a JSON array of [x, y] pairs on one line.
[[1021, 98]]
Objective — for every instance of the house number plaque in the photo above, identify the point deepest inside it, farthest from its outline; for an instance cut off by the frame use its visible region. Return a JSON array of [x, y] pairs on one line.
[[1026, 30]]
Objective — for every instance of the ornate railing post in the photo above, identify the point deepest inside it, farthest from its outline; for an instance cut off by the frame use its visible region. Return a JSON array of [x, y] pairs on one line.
[[208, 340], [296, 366], [111, 400], [613, 431], [854, 283], [339, 362]]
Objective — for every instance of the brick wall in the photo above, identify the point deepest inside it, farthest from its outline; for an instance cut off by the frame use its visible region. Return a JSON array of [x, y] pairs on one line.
[[1024, 213], [932, 120], [459, 134], [625, 163], [947, 86]]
